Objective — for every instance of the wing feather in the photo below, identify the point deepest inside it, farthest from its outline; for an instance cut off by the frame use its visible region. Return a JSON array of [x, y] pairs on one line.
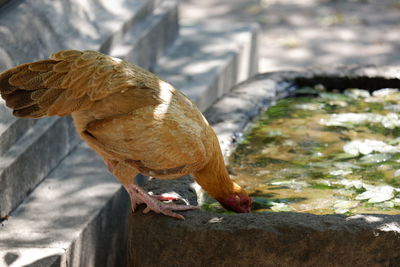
[[71, 80]]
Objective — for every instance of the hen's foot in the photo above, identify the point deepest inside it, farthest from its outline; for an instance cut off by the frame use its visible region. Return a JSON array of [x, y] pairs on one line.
[[139, 196], [172, 196]]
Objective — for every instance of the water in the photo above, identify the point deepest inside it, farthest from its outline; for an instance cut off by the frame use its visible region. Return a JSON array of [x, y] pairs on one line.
[[323, 153]]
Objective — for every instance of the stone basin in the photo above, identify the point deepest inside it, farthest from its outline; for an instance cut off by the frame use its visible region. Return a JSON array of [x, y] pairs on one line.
[[272, 239]]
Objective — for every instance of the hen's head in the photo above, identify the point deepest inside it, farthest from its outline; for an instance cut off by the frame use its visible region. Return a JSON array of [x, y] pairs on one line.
[[237, 201]]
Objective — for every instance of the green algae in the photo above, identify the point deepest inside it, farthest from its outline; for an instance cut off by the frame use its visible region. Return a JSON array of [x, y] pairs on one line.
[[323, 153]]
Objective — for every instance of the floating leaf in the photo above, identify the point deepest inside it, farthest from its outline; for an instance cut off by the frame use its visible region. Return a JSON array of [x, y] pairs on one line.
[[263, 172], [340, 172], [390, 120], [357, 184], [333, 96], [280, 207], [375, 158], [396, 202], [384, 92], [320, 164], [376, 194], [343, 206], [274, 133], [317, 155], [394, 108], [346, 165], [385, 205], [368, 146], [338, 103], [289, 143], [346, 193], [356, 93], [310, 106], [290, 183], [394, 142], [343, 156]]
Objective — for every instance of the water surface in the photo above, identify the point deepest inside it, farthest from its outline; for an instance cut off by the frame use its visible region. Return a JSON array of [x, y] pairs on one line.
[[323, 153]]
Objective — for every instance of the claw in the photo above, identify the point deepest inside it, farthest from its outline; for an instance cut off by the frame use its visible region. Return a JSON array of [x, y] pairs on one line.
[[172, 196], [133, 205], [139, 196]]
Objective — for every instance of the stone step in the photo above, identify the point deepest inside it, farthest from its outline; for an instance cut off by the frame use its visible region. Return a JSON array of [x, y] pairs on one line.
[[157, 15], [78, 215], [11, 128], [21, 172], [48, 33], [47, 26], [29, 160], [209, 60], [142, 45], [75, 217]]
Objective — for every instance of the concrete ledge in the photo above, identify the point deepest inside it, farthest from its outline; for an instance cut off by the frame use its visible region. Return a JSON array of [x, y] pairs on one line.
[[274, 239], [35, 257], [75, 217], [207, 61], [11, 128], [29, 161]]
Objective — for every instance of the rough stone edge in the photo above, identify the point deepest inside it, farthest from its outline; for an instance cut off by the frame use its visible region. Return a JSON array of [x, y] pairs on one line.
[[97, 237], [276, 238], [38, 257], [29, 161]]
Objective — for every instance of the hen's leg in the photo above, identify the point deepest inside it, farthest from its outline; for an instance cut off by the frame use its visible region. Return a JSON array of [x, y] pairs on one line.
[[139, 196]]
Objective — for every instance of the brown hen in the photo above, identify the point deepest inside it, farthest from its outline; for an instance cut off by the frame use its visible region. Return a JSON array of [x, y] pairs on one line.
[[135, 121]]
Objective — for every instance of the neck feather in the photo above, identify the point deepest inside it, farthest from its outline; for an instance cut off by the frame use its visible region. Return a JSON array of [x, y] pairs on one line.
[[214, 177]]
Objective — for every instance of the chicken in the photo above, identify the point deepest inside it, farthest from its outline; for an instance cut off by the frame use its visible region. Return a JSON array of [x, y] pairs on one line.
[[135, 121]]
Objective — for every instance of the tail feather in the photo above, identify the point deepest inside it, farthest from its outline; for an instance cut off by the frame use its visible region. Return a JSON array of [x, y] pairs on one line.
[[5, 86], [19, 100], [35, 90], [26, 79], [34, 111], [71, 80], [24, 86], [38, 94], [42, 66]]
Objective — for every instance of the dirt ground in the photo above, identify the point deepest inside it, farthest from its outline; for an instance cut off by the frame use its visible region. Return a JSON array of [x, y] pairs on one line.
[[311, 33]]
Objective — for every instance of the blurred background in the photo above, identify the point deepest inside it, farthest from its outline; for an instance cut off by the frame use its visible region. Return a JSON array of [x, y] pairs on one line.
[[305, 33]]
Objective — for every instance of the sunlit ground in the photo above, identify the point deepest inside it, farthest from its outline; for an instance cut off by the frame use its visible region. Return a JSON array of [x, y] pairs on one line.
[[305, 33]]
